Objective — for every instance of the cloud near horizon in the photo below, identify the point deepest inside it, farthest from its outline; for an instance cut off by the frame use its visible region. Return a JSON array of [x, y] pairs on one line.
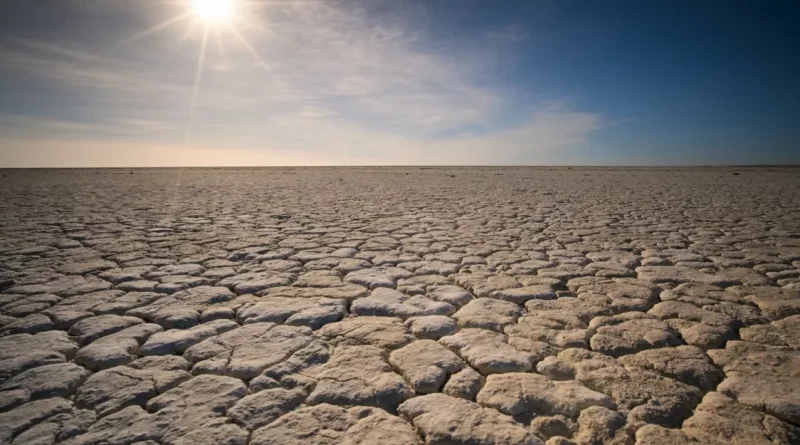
[[322, 83]]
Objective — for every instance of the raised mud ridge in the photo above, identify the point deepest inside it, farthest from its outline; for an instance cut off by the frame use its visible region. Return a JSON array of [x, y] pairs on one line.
[[400, 306]]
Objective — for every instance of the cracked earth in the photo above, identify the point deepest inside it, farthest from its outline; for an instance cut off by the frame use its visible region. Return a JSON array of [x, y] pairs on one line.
[[400, 306]]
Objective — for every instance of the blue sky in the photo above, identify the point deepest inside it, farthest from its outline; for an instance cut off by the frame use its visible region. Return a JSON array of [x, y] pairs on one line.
[[344, 82]]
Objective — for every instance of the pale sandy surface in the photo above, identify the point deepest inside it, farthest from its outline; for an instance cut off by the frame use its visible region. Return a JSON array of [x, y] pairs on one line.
[[400, 306]]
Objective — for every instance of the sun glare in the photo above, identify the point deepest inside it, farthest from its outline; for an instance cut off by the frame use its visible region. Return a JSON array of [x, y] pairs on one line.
[[217, 18], [213, 12]]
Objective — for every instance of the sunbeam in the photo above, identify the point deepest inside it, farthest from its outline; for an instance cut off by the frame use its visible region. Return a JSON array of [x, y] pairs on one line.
[[196, 91], [154, 29], [218, 41], [252, 51]]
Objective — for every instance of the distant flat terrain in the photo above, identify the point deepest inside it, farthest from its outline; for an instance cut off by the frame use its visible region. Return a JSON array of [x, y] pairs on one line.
[[400, 305]]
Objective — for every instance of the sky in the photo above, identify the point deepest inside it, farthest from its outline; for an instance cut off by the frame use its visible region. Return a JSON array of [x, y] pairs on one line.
[[101, 83]]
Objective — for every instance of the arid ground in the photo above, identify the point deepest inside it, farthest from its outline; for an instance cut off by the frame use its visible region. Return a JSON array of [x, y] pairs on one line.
[[400, 306]]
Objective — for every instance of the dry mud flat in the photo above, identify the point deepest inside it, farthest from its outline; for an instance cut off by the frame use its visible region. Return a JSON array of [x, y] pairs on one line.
[[400, 306]]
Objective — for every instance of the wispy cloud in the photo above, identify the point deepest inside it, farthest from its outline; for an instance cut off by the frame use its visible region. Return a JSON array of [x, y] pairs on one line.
[[337, 86], [511, 33]]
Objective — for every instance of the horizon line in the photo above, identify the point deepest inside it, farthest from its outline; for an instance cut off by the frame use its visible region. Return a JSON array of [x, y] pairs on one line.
[[420, 166]]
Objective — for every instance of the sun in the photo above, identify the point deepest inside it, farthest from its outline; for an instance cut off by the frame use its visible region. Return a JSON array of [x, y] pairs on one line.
[[212, 12]]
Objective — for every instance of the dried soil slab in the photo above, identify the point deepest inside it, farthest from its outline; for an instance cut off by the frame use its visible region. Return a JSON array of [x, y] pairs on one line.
[[533, 394], [504, 258], [745, 276], [359, 375], [464, 384], [437, 268], [775, 302], [454, 295], [177, 341], [116, 349], [563, 272], [432, 327], [142, 286], [182, 310], [577, 310], [123, 303], [561, 323], [75, 308], [263, 407], [30, 324], [29, 423], [488, 313], [529, 267], [687, 364], [384, 302], [488, 352], [763, 378], [311, 312], [259, 282], [111, 390], [520, 295], [12, 366], [90, 329], [247, 351], [609, 269], [191, 412], [599, 425], [347, 292], [629, 333], [375, 278], [64, 286], [52, 380], [720, 420], [621, 294], [326, 424], [494, 283], [319, 278], [188, 413], [384, 332], [700, 294], [442, 419], [24, 305], [784, 332], [425, 364], [677, 275], [645, 396], [117, 276], [19, 345], [160, 363], [419, 284], [715, 299], [698, 327]]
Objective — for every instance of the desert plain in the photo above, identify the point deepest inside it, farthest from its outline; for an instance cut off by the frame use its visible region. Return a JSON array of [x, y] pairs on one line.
[[404, 305]]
